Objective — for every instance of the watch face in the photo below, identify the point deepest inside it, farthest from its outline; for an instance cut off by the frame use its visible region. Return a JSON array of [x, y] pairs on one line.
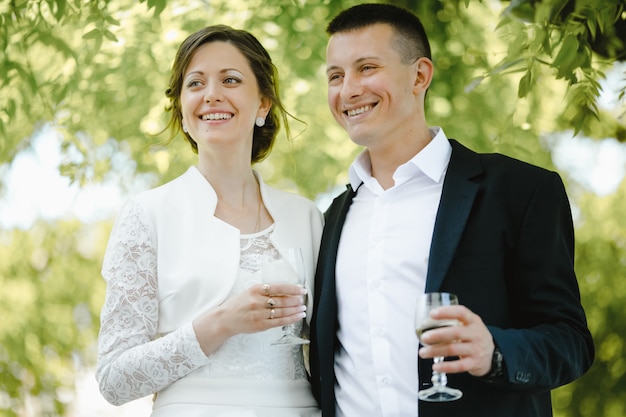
[[496, 365]]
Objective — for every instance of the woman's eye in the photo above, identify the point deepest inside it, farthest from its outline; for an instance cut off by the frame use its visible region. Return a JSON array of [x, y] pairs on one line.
[[193, 83], [231, 80]]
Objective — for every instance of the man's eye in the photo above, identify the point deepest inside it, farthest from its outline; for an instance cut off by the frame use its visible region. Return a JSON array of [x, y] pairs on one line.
[[334, 77]]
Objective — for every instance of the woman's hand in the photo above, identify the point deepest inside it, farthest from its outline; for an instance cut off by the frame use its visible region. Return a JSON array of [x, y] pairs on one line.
[[265, 306], [258, 308]]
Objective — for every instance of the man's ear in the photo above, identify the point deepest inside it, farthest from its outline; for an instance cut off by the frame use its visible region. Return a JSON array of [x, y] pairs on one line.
[[423, 75]]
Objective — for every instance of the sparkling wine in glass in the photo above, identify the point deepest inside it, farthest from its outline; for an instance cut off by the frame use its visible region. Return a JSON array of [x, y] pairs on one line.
[[287, 269], [423, 322]]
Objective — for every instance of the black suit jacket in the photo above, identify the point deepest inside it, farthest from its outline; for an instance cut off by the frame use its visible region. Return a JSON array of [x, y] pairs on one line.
[[503, 242]]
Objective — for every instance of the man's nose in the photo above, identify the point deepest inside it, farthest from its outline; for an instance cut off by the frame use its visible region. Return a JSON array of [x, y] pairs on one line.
[[351, 87]]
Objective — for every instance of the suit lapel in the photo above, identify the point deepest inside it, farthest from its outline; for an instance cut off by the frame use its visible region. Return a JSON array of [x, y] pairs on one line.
[[457, 198], [334, 219]]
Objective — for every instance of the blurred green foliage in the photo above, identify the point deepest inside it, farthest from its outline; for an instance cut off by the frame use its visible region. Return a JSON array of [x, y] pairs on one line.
[[49, 303], [95, 71], [601, 269]]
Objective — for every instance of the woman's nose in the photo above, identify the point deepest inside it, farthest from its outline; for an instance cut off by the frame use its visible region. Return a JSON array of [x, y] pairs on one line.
[[212, 92]]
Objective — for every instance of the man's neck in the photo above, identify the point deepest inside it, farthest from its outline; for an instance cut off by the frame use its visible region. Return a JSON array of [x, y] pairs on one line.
[[386, 160]]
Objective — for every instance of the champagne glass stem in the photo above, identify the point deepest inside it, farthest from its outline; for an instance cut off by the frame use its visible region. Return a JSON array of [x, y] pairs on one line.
[[287, 330], [439, 391], [289, 269], [439, 379]]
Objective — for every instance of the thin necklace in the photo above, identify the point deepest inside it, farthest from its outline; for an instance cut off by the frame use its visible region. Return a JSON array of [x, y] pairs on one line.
[[257, 227]]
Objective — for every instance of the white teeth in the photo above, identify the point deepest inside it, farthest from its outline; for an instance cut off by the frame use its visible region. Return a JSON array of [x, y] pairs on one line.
[[216, 116], [360, 110]]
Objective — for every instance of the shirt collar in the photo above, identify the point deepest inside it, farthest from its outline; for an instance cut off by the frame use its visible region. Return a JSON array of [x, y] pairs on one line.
[[432, 161]]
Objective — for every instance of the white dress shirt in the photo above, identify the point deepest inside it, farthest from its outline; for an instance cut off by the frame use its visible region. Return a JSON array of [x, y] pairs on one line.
[[382, 262]]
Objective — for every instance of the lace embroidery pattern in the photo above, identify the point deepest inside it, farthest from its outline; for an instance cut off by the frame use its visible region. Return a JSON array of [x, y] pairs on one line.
[[132, 361], [251, 356], [256, 249]]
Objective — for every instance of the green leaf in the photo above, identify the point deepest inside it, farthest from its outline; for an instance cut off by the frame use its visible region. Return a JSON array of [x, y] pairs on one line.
[[159, 6], [566, 56], [521, 9], [111, 20], [47, 38], [109, 35], [61, 7], [506, 65], [592, 26], [10, 109], [93, 17], [474, 83], [525, 84], [543, 11], [93, 34], [24, 74]]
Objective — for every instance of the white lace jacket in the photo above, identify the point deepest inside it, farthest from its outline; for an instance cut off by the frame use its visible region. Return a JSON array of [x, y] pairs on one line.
[[167, 261]]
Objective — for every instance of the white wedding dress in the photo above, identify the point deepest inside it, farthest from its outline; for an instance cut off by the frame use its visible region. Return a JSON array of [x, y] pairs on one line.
[[245, 377]]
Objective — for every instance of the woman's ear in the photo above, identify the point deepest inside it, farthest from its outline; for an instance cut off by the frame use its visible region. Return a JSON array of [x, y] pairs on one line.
[[264, 108]]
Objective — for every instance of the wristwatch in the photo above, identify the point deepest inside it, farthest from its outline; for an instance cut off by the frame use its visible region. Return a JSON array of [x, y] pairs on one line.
[[497, 366]]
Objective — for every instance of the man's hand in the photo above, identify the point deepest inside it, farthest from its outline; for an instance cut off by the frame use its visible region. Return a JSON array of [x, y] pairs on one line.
[[471, 342]]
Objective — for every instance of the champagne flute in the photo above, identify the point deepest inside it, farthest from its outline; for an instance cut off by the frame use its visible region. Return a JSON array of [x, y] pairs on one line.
[[423, 322], [288, 269]]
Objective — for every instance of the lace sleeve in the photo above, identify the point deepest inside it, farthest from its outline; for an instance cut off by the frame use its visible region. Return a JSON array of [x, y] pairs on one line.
[[132, 361]]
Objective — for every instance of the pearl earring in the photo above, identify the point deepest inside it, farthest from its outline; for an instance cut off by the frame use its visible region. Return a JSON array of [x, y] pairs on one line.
[[260, 121], [184, 128]]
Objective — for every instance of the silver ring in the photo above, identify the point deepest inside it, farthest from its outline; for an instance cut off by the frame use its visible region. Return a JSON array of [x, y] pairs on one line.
[[266, 288], [271, 302], [271, 314]]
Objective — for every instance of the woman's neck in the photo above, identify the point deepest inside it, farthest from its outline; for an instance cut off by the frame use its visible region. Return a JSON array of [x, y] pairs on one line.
[[239, 200]]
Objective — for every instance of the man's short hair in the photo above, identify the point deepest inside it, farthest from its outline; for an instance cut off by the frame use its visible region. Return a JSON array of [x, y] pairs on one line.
[[411, 40]]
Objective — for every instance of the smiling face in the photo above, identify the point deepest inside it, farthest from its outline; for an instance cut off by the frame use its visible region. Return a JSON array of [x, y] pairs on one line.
[[372, 94], [220, 97]]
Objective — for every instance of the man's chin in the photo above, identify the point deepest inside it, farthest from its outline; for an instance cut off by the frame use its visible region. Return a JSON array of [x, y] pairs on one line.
[[360, 138]]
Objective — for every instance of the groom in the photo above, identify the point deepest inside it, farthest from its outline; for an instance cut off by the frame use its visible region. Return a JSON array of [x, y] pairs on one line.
[[423, 213]]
